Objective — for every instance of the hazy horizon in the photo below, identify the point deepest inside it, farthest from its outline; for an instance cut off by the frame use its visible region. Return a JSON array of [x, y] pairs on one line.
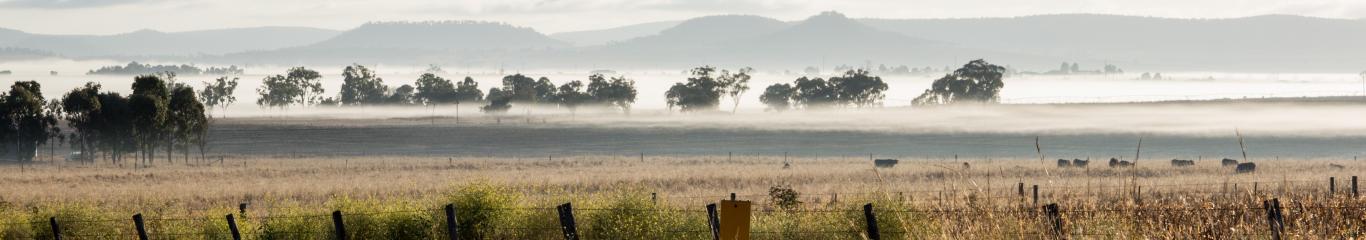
[[105, 17]]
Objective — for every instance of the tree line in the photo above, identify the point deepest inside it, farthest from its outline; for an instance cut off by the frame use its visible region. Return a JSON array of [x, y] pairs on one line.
[[159, 113], [703, 90], [361, 86]]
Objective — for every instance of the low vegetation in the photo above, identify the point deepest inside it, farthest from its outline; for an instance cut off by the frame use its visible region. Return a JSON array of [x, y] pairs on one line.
[[663, 197]]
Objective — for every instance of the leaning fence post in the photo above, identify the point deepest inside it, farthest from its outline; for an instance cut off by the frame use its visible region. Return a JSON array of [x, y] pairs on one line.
[[452, 233], [714, 222], [56, 230], [1273, 217], [137, 224], [338, 225], [567, 226], [873, 233], [232, 227], [1054, 216]]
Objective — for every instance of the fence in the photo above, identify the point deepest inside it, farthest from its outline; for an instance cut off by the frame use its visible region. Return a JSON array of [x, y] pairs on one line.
[[1029, 217]]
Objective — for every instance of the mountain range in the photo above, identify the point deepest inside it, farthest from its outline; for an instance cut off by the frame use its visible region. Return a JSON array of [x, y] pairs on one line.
[[1271, 43]]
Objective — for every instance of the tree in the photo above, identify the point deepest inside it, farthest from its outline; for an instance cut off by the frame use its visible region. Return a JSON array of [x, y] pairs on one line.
[[24, 122], [702, 91], [498, 102], [186, 119], [432, 90], [149, 119], [858, 88], [977, 81], [618, 92], [299, 85], [520, 88], [153, 134], [361, 86], [82, 107], [403, 95], [813, 93], [467, 91], [777, 96], [115, 125], [571, 95], [219, 93], [736, 85]]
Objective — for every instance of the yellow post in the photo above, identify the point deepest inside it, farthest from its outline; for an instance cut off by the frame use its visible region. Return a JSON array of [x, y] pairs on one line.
[[734, 219]]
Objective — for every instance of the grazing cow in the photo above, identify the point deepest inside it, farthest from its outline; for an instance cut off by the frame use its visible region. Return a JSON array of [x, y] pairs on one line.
[[1062, 163], [1114, 162], [884, 163], [1182, 163], [1247, 167], [1229, 162], [966, 166], [1080, 163]]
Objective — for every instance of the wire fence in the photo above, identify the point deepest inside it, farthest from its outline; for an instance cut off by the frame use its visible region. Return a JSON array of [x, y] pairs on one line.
[[1303, 216]]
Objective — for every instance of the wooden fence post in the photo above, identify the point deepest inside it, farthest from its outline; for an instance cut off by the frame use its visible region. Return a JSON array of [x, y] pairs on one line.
[[1354, 187], [1332, 186], [868, 215], [338, 226], [1056, 218], [1273, 215], [713, 221], [1036, 194], [232, 227], [654, 198], [56, 230], [138, 225], [242, 209], [567, 225], [1021, 190], [452, 232]]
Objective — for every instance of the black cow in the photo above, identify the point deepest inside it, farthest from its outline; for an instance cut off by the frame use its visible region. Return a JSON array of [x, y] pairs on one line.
[[884, 163], [1247, 167], [1062, 163], [1080, 163], [1114, 162], [1229, 162], [1182, 163]]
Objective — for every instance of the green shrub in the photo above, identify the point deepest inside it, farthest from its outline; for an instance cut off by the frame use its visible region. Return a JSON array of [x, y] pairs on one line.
[[295, 223], [481, 207], [79, 221]]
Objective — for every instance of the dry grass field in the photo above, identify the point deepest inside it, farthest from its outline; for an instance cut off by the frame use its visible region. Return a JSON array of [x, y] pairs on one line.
[[922, 198]]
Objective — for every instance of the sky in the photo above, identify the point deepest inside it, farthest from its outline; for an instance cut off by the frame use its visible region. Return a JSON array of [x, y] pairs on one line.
[[551, 16]]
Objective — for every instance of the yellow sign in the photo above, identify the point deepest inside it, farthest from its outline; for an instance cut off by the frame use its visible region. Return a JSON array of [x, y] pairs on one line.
[[734, 218]]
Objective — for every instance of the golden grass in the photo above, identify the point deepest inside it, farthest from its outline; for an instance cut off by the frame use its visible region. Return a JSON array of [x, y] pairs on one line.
[[917, 199]]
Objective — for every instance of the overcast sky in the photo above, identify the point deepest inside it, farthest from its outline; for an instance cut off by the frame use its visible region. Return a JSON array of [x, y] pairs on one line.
[[550, 16]]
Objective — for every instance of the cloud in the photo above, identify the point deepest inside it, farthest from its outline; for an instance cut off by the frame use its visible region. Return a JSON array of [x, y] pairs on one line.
[[65, 4]]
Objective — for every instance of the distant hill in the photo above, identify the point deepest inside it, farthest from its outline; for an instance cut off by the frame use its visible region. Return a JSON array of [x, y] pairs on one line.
[[763, 42], [611, 35], [1261, 43], [154, 43], [443, 35]]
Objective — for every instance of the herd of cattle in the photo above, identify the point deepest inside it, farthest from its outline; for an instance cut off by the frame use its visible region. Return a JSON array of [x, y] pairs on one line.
[[1116, 163]]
